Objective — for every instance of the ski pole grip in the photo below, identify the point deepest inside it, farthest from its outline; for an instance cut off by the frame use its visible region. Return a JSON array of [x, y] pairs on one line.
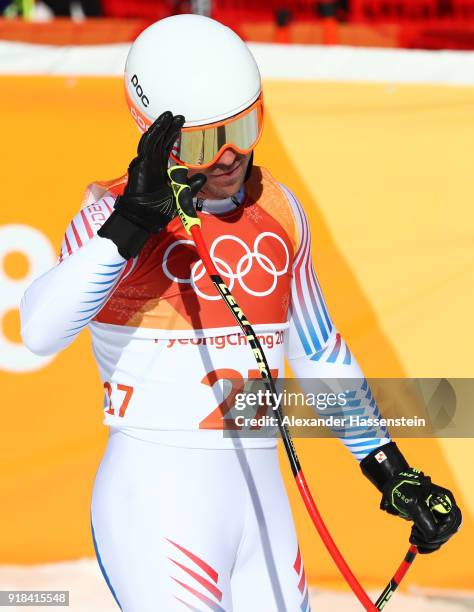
[[183, 197]]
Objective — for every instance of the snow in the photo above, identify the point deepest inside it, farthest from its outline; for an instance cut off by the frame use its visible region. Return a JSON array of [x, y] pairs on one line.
[[89, 593]]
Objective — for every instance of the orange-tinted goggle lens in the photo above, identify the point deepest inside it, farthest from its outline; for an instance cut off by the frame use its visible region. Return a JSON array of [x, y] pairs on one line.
[[201, 146]]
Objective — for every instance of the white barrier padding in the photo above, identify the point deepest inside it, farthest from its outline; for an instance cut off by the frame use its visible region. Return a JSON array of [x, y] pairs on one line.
[[362, 64], [299, 62], [82, 60]]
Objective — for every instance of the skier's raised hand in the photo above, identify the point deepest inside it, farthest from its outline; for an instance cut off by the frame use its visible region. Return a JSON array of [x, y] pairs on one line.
[[147, 204], [408, 493]]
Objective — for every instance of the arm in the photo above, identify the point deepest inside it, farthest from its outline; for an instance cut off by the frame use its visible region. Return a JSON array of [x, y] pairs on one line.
[[60, 303], [315, 349]]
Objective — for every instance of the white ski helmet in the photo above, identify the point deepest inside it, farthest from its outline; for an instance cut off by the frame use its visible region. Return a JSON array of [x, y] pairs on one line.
[[196, 67]]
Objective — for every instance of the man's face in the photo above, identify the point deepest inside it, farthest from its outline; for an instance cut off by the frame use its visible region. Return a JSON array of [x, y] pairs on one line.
[[225, 177]]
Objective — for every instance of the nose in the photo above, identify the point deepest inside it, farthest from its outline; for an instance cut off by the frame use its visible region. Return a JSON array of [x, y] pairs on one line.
[[227, 158]]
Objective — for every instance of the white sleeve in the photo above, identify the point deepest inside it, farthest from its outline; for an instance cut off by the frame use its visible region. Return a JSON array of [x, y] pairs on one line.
[[61, 302], [315, 349]]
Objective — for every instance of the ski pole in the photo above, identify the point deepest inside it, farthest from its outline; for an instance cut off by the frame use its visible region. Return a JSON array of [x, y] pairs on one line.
[[192, 225], [397, 578]]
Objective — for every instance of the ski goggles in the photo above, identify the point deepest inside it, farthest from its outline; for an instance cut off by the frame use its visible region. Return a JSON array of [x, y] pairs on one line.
[[201, 146]]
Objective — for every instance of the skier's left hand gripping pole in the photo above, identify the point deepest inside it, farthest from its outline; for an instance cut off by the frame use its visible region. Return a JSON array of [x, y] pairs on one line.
[[192, 225]]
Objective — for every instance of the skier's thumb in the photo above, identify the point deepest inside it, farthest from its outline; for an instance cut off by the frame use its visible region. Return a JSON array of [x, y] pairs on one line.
[[196, 182], [424, 520]]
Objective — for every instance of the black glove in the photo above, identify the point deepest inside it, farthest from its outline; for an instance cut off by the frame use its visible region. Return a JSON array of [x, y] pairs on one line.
[[147, 204], [408, 493]]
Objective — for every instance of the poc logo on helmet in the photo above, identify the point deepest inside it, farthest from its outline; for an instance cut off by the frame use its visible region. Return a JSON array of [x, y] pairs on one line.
[[138, 88]]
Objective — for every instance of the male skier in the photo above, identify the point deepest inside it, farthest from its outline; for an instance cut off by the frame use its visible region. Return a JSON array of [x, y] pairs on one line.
[[182, 516]]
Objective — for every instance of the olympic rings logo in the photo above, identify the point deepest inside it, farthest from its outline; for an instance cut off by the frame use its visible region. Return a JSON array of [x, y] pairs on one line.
[[243, 268]]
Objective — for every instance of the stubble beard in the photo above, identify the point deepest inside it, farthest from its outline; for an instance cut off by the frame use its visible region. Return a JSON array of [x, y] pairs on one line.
[[214, 191]]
